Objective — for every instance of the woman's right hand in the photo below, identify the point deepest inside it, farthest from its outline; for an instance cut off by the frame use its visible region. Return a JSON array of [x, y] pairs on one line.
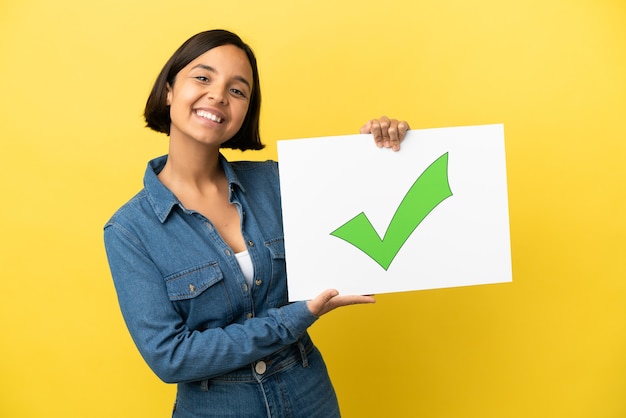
[[331, 299]]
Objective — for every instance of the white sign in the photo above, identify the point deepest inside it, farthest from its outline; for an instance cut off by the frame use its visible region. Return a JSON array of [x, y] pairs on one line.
[[366, 220]]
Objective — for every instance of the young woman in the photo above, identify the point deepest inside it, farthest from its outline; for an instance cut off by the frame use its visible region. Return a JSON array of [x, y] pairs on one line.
[[197, 256]]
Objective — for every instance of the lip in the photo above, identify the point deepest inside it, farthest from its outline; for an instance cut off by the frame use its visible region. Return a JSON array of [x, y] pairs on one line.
[[212, 111]]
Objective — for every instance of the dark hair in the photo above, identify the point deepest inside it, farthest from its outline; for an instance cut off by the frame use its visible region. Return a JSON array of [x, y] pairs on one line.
[[157, 112]]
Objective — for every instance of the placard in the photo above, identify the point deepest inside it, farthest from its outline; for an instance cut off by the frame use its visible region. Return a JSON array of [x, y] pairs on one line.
[[368, 220]]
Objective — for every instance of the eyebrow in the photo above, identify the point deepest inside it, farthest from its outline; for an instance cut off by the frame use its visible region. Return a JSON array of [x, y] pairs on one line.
[[213, 70]]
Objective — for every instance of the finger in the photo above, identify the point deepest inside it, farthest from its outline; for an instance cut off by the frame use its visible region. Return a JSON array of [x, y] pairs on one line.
[[340, 300], [319, 305], [367, 128], [403, 126], [397, 132], [330, 300], [377, 133], [394, 135], [385, 123]]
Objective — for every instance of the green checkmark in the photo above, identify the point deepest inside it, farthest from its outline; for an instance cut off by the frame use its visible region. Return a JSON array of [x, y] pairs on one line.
[[429, 190]]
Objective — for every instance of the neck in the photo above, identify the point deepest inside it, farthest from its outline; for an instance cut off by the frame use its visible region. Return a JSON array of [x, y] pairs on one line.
[[191, 165]]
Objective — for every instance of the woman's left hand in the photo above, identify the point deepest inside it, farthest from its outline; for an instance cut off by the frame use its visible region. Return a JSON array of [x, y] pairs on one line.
[[387, 132]]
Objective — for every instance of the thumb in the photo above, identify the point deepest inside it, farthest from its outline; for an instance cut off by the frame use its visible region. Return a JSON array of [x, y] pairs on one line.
[[318, 305], [327, 295]]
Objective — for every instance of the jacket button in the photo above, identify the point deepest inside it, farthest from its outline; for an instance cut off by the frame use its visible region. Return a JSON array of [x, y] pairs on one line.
[[260, 367], [249, 315], [250, 243], [258, 282]]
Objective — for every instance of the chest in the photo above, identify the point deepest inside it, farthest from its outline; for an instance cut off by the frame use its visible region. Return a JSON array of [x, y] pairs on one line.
[[223, 215], [203, 278]]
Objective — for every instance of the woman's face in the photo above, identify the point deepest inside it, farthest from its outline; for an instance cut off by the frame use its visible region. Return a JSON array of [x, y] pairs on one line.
[[210, 96]]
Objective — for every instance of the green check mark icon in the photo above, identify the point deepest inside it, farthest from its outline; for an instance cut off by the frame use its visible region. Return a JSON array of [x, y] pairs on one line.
[[429, 190]]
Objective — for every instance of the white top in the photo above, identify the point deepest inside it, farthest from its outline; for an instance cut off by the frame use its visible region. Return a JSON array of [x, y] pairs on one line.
[[245, 264]]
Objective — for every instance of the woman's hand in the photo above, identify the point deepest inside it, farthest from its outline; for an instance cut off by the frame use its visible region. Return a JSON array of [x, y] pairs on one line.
[[387, 132], [330, 299]]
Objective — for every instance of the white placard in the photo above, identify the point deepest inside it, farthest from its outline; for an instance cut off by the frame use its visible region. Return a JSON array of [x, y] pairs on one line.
[[433, 215]]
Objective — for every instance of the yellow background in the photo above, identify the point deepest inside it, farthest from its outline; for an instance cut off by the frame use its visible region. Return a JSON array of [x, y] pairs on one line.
[[74, 76]]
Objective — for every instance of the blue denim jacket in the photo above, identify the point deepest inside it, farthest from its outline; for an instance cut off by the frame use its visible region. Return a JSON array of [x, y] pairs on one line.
[[181, 291]]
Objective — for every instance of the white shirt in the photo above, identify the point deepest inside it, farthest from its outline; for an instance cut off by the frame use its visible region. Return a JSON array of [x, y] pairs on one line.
[[245, 264]]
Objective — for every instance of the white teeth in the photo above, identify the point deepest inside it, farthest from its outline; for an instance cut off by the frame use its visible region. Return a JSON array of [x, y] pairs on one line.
[[208, 115]]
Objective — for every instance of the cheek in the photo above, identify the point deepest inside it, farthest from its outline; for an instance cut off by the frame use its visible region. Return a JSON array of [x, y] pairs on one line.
[[180, 102], [244, 112]]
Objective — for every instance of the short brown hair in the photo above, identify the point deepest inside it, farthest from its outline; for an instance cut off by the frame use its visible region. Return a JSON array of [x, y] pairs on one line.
[[157, 112]]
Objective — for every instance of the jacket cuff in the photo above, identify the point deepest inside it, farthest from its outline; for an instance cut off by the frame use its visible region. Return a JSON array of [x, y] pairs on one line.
[[297, 317]]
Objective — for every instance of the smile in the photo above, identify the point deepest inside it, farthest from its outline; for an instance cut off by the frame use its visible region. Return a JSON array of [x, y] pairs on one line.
[[208, 115]]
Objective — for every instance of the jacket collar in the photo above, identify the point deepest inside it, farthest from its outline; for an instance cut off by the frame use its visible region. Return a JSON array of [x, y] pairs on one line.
[[162, 199]]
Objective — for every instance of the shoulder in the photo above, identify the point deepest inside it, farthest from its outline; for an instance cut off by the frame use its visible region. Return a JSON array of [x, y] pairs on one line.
[[138, 205], [259, 166], [258, 179], [252, 173]]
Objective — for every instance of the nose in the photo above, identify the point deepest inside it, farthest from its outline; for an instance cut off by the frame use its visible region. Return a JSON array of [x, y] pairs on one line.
[[217, 93]]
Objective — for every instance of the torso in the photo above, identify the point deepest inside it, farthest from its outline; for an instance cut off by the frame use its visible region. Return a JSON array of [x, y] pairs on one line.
[[212, 202], [223, 215]]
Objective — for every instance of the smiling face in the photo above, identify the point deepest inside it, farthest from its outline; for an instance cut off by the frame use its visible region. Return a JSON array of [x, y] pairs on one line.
[[210, 96]]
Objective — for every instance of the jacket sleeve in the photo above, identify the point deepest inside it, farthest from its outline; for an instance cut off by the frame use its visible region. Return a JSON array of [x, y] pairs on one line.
[[173, 351]]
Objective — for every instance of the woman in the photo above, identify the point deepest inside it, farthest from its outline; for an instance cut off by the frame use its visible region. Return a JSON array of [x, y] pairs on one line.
[[197, 257]]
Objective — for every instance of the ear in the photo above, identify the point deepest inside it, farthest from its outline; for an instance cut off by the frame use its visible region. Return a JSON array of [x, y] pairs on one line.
[[168, 98]]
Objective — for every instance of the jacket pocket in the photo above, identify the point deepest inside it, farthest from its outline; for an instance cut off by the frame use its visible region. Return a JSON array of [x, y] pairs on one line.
[[190, 283], [277, 248]]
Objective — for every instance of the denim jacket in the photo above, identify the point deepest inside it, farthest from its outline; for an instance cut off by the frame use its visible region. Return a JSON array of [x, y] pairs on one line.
[[183, 296]]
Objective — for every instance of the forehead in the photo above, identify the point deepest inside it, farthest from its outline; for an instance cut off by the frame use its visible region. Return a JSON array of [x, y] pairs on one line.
[[226, 59]]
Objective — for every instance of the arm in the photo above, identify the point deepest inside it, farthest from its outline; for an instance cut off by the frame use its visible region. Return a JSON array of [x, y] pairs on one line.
[[173, 351]]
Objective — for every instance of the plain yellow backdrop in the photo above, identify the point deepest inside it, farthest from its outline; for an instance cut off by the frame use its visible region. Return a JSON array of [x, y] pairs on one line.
[[74, 77]]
